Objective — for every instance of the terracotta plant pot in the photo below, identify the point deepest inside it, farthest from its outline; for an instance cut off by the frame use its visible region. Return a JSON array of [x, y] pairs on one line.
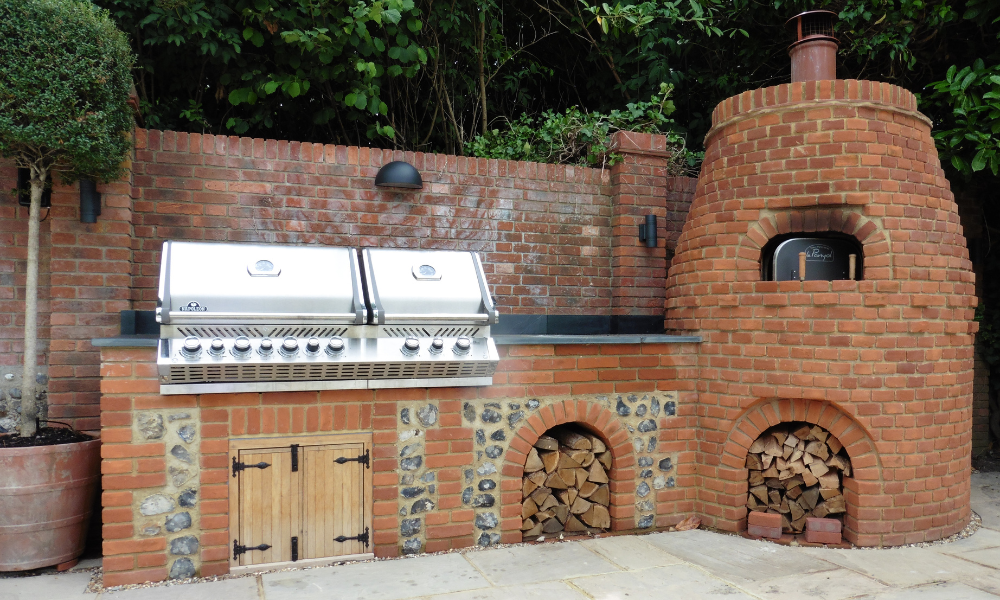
[[46, 498]]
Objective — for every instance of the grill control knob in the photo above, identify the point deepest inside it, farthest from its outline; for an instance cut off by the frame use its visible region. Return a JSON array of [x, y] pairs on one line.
[[265, 347], [289, 346], [463, 345], [335, 346], [191, 347], [312, 346], [411, 346], [437, 344], [217, 347], [241, 347]]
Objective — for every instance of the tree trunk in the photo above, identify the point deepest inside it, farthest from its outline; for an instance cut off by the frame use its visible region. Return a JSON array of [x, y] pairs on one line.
[[29, 408], [482, 70]]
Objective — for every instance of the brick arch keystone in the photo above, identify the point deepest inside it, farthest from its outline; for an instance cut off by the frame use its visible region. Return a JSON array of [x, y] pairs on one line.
[[600, 421], [867, 231], [866, 467]]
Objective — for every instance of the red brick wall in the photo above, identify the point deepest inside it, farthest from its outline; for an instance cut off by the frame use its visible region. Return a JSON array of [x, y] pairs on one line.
[[545, 233], [890, 357], [577, 378]]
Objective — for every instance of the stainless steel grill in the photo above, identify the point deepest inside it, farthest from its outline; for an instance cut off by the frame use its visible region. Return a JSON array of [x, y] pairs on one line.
[[245, 317]]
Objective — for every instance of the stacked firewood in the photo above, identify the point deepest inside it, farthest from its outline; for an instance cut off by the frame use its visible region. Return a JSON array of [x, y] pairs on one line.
[[565, 485], [796, 470]]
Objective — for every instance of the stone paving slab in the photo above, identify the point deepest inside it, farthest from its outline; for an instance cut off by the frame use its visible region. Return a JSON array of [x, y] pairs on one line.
[[903, 567], [735, 558], [985, 498], [838, 584], [244, 588], [682, 582], [630, 552], [46, 587], [533, 564], [981, 540], [383, 580], [939, 591], [550, 590]]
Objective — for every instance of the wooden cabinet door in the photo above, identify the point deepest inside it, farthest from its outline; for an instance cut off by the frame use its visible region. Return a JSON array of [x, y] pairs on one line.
[[335, 500], [269, 504]]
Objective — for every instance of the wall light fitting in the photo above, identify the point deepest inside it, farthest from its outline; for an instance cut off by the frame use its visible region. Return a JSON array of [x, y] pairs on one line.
[[399, 174]]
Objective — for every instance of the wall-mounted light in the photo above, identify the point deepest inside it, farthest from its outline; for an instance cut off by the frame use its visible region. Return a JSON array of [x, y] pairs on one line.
[[90, 201], [399, 174], [24, 189], [647, 232]]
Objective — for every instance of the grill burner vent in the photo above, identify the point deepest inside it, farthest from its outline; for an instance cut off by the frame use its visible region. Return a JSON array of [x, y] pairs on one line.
[[334, 372], [404, 332]]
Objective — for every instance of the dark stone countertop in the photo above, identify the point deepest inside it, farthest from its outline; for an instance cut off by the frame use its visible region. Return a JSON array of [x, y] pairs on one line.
[[149, 341]]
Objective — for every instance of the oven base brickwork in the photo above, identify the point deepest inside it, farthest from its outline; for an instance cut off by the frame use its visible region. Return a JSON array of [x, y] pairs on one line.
[[437, 458]]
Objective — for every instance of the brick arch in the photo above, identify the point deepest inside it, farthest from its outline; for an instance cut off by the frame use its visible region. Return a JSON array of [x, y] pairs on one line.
[[600, 421], [867, 231], [866, 479]]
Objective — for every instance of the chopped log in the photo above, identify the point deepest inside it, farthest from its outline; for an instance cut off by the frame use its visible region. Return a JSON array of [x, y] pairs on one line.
[[597, 516], [774, 498], [527, 525], [573, 524], [800, 523], [534, 462], [756, 478], [796, 456], [786, 525], [573, 439], [602, 496], [793, 482], [555, 482], [830, 480], [540, 494], [818, 449], [753, 462], [771, 471], [773, 482], [834, 444], [801, 432], [569, 476], [798, 467], [565, 462], [563, 496], [821, 510], [828, 493], [794, 492], [772, 447], [819, 434], [818, 468], [544, 515], [552, 526], [757, 446], [580, 506], [604, 458], [796, 511], [581, 476], [597, 474], [561, 512], [597, 444], [807, 459], [783, 506], [786, 451], [766, 460], [809, 480], [752, 502], [837, 504], [780, 436], [781, 463], [550, 502], [809, 498], [588, 488], [840, 463], [582, 457], [538, 477], [791, 440], [527, 487], [760, 492], [547, 442], [528, 508], [534, 531], [550, 460]]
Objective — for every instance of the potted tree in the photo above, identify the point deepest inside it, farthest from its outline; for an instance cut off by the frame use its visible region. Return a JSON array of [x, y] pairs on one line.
[[65, 75]]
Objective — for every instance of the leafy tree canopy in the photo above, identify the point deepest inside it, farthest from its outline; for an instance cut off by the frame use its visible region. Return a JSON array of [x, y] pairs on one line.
[[65, 75]]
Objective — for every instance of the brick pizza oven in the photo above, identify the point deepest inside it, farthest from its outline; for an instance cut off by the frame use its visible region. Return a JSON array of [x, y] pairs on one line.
[[883, 361]]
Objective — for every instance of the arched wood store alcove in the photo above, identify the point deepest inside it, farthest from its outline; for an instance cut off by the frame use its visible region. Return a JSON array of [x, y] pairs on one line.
[[565, 485]]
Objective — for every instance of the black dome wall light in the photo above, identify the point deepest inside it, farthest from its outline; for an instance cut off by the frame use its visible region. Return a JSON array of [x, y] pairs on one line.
[[399, 174]]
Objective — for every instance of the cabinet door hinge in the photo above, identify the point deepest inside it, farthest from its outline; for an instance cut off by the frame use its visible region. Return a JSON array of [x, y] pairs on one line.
[[363, 459], [295, 549], [361, 537], [238, 466], [239, 549], [295, 458]]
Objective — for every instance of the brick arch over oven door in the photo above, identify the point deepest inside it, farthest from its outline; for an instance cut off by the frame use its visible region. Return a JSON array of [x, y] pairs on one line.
[[864, 489], [600, 421], [868, 232]]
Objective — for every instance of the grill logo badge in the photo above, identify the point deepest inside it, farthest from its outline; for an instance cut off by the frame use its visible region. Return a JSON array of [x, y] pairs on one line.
[[819, 253], [193, 307]]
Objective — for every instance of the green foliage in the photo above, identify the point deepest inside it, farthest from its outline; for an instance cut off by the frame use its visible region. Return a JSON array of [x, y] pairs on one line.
[[576, 137], [64, 85], [969, 138]]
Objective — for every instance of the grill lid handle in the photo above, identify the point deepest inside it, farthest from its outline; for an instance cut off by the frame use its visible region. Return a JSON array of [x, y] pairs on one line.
[[488, 306]]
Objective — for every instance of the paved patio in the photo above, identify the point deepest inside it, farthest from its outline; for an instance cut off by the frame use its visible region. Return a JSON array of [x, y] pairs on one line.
[[690, 565]]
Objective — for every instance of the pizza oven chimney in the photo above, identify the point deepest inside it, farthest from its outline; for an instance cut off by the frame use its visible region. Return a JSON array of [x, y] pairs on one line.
[[814, 51]]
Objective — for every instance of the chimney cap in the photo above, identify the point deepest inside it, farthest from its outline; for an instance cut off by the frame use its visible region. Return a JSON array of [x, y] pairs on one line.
[[812, 25]]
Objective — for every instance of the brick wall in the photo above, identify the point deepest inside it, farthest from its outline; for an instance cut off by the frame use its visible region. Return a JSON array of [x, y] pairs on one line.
[[547, 384], [887, 360], [552, 237]]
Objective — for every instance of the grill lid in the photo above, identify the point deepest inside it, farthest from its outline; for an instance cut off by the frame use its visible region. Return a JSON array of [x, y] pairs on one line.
[[249, 283], [427, 287]]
